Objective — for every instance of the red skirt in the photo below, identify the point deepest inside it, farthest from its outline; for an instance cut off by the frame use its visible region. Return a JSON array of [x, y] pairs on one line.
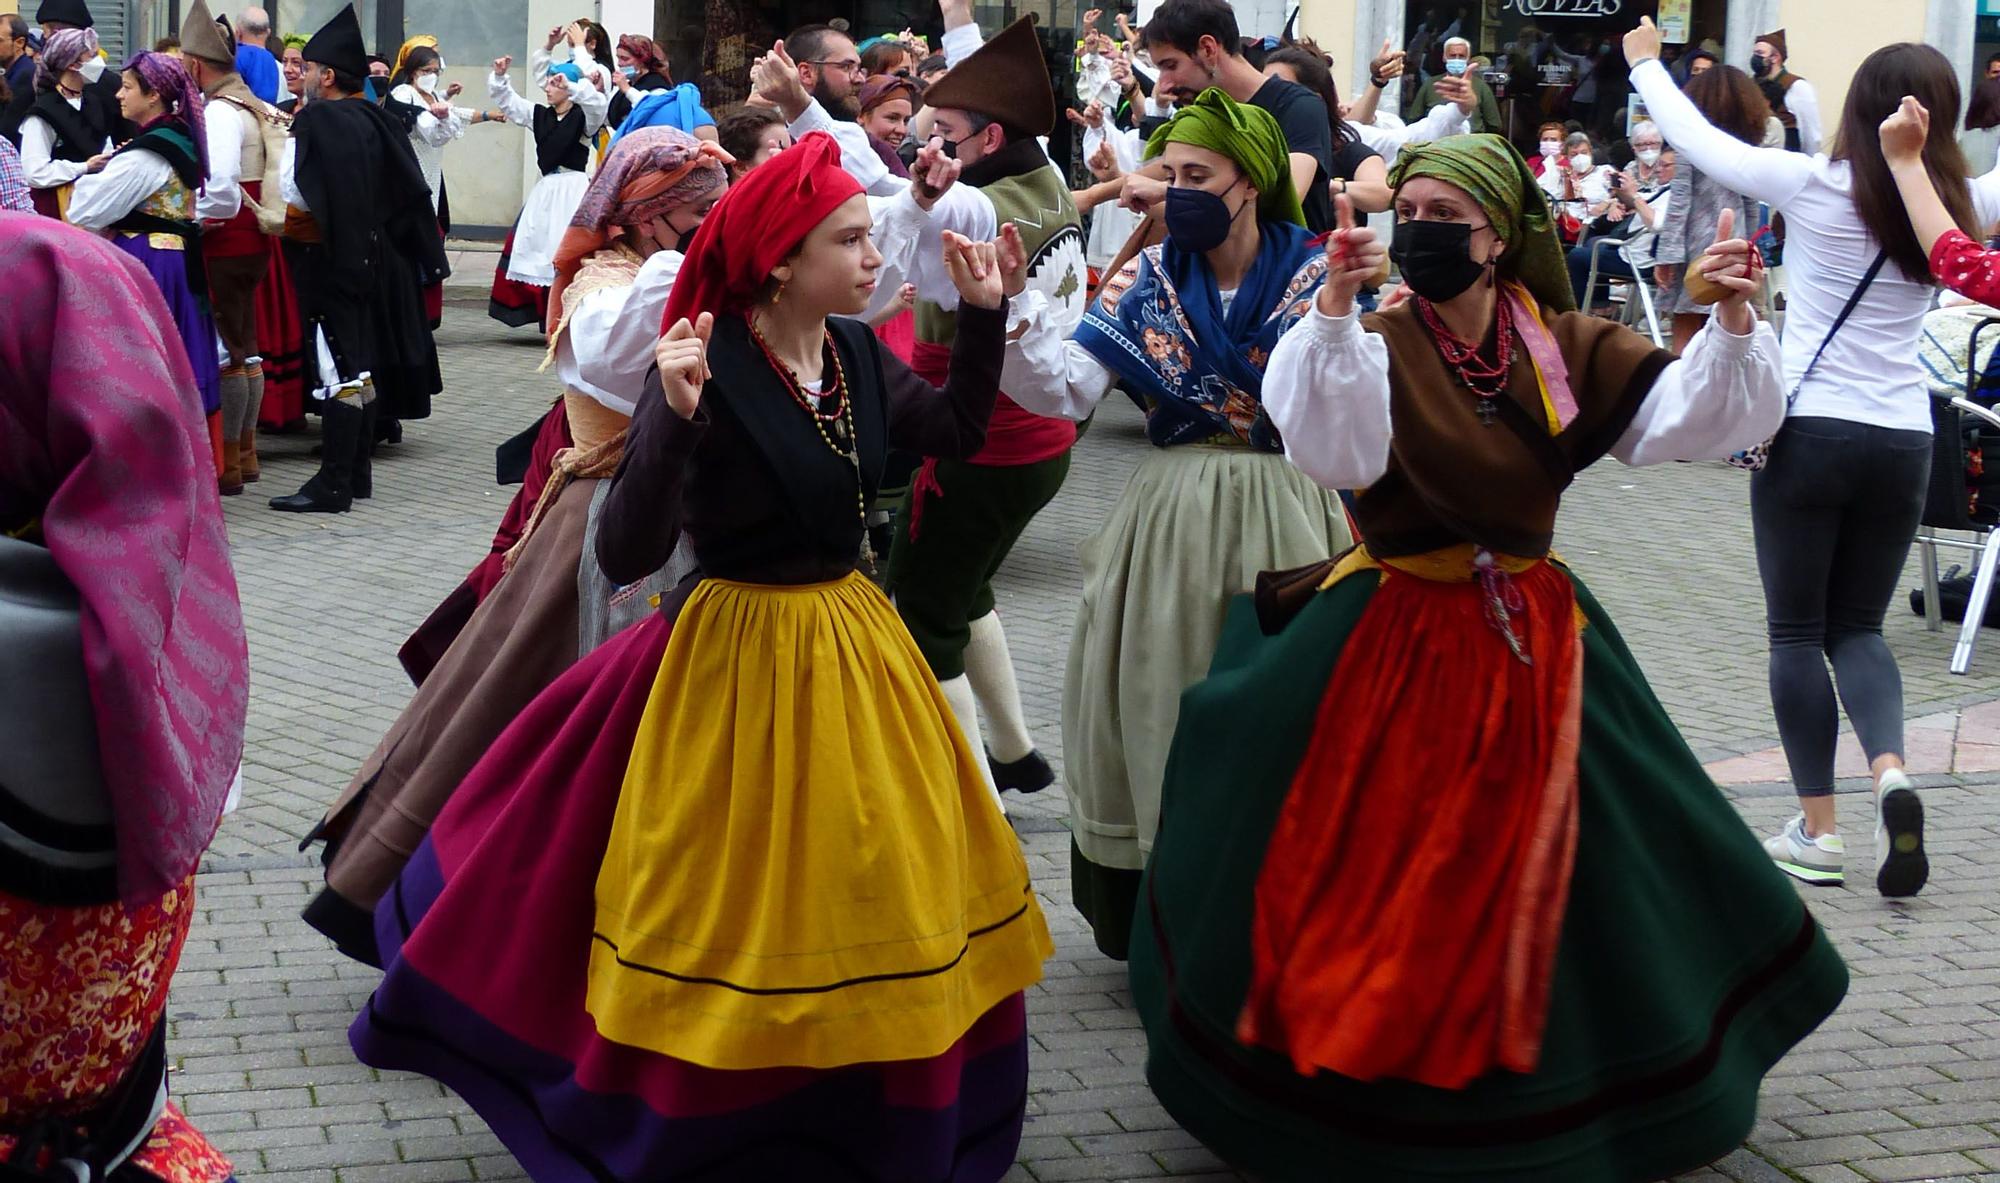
[[1421, 864], [512, 302], [82, 989], [281, 339]]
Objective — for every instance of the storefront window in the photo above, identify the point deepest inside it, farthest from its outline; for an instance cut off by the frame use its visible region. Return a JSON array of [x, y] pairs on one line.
[[1553, 61]]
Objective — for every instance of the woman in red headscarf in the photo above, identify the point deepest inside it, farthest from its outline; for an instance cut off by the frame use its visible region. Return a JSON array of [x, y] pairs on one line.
[[731, 900], [550, 603]]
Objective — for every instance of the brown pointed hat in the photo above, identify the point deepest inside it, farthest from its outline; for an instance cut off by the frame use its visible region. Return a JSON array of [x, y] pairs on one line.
[[1777, 39], [1006, 80], [201, 38]]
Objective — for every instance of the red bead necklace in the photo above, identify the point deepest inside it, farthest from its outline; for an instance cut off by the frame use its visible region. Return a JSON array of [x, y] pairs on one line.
[[1485, 379]]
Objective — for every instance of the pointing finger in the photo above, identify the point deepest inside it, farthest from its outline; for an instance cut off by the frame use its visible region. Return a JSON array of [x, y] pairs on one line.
[[1343, 212], [1725, 226]]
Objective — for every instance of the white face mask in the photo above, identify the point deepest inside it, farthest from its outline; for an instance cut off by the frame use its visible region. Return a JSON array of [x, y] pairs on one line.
[[1551, 149], [1649, 156], [91, 70], [1580, 162], [428, 83]]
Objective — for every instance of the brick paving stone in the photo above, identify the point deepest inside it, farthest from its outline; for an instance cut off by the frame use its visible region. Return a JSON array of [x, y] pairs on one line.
[[1897, 1086]]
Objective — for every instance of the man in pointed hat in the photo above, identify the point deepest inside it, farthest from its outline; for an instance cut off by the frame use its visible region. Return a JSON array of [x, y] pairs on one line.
[[246, 144], [371, 244], [1793, 99], [961, 517]]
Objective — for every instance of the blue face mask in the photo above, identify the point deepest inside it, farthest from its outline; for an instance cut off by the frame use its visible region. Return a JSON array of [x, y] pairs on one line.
[[1455, 66], [1198, 221]]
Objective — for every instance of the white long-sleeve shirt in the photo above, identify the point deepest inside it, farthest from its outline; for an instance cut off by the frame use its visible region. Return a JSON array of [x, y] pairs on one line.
[[126, 181], [593, 94], [221, 194], [520, 111], [38, 162], [1327, 390], [432, 135], [1389, 138], [1803, 102], [606, 348], [1870, 372]]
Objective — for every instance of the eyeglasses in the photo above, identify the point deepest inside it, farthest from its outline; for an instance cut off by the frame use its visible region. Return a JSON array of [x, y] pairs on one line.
[[852, 66]]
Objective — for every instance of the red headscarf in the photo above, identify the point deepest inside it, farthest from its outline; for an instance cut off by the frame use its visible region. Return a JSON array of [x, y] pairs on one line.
[[756, 225], [645, 53], [101, 433]]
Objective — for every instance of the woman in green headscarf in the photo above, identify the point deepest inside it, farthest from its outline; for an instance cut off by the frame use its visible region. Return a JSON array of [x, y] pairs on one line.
[[1425, 910], [1186, 329]]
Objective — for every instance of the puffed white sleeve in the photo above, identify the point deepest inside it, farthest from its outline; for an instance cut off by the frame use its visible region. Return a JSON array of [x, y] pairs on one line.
[[128, 179], [1803, 102], [38, 162], [613, 330], [430, 129], [1043, 370], [595, 103], [518, 110], [1327, 389], [288, 177], [912, 241], [960, 43], [1725, 394], [221, 194], [857, 157]]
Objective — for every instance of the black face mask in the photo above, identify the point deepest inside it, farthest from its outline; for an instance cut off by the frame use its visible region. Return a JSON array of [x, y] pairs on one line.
[[950, 147], [1758, 65], [1436, 258]]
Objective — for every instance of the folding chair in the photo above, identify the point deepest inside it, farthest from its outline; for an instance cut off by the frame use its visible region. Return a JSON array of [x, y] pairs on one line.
[[1643, 285], [1946, 508]]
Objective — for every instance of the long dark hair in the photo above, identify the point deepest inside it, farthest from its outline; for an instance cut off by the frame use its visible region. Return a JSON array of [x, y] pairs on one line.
[[1732, 102], [1316, 76], [594, 31], [418, 58], [1878, 87]]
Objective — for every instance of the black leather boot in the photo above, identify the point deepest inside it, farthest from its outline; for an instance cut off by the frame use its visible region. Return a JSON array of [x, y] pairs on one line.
[[331, 489], [363, 480]]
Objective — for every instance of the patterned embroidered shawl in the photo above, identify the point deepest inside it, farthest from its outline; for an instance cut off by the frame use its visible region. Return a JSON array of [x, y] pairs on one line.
[[1196, 371]]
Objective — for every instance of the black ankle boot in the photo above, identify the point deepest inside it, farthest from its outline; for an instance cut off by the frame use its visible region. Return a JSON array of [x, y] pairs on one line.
[[331, 489], [1030, 774], [363, 481]]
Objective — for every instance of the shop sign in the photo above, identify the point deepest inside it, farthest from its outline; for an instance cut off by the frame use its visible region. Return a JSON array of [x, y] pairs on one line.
[[1548, 8]]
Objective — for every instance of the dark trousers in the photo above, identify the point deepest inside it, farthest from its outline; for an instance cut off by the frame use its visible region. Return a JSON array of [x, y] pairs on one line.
[[1609, 263], [1834, 513], [943, 578]]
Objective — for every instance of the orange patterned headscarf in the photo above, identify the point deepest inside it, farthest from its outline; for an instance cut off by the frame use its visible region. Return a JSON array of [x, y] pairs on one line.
[[646, 174]]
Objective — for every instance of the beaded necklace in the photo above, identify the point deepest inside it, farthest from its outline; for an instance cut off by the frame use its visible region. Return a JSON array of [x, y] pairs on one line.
[[1485, 379], [832, 414]]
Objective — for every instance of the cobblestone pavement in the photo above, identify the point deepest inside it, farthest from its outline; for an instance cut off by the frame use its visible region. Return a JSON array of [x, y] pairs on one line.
[[1904, 1082]]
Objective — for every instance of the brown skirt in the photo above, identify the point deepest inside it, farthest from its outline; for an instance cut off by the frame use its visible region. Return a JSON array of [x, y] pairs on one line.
[[520, 639]]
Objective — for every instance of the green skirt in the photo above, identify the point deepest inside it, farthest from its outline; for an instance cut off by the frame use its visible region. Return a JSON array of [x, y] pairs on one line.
[[1687, 964]]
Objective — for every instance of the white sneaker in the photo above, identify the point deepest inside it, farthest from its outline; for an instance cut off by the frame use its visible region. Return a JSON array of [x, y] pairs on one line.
[[1821, 861], [1901, 866]]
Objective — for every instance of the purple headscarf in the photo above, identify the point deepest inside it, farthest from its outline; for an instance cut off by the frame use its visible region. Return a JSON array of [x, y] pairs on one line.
[[101, 431], [65, 51], [169, 79]]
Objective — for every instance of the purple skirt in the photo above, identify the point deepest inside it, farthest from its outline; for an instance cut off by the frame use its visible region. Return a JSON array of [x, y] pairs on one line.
[[486, 940], [197, 327]]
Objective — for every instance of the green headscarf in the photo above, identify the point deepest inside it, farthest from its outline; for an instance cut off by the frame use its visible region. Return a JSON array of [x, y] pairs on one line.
[[1247, 135], [1488, 168]]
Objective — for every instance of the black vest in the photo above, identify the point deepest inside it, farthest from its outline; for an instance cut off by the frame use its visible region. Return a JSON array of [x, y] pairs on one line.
[[80, 135], [559, 140]]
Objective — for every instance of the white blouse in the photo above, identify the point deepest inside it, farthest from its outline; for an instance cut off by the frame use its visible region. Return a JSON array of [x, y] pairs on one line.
[[606, 349], [38, 145], [1327, 390], [431, 134]]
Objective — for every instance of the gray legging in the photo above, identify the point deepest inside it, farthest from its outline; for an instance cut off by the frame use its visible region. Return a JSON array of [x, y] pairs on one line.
[[1834, 513]]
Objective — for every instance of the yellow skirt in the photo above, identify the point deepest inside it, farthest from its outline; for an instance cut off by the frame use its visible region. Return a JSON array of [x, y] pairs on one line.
[[806, 867]]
